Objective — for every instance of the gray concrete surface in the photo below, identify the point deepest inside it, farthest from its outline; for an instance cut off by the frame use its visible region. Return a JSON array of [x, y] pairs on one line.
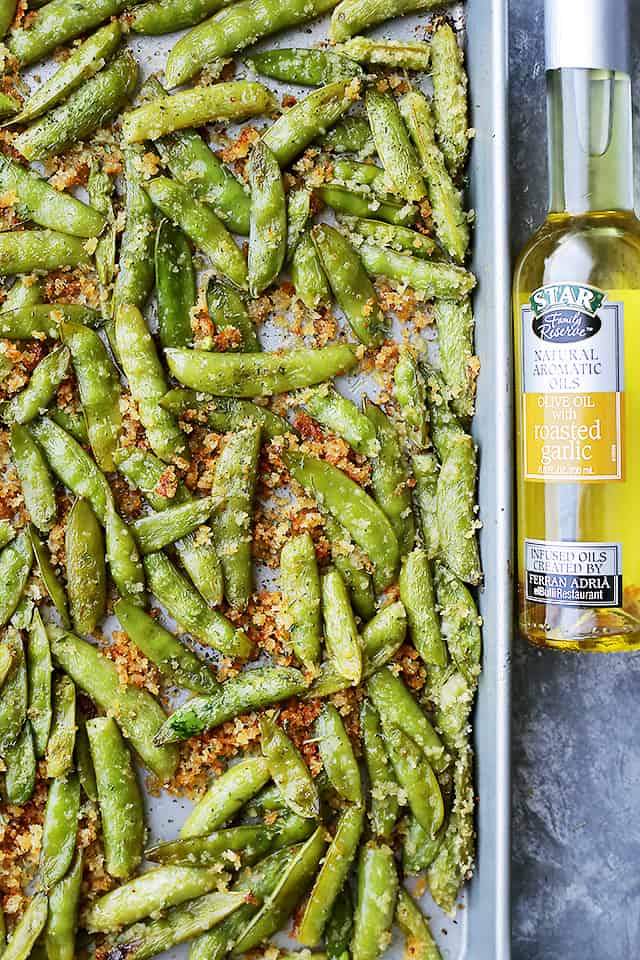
[[576, 719]]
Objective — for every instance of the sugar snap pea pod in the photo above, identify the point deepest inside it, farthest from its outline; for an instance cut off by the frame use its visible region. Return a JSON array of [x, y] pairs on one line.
[[300, 586], [64, 899], [449, 217], [147, 895], [20, 764], [250, 843], [453, 863], [417, 779], [164, 16], [15, 565], [394, 146], [350, 285], [340, 628], [425, 472], [72, 422], [14, 699], [457, 514], [39, 672], [268, 233], [417, 595], [251, 690], [349, 135], [307, 274], [402, 239], [60, 828], [7, 13], [147, 382], [233, 29], [28, 929], [357, 203], [186, 606], [351, 17], [460, 623], [37, 200], [86, 574], [201, 224], [57, 23], [289, 771], [390, 476], [383, 801], [41, 389], [332, 876], [455, 702], [227, 414], [121, 805], [410, 392], [21, 619], [157, 530], [361, 175], [459, 366], [43, 319], [342, 417], [139, 715], [419, 941], [450, 96], [100, 390], [429, 278], [403, 54], [419, 847], [339, 928], [336, 753], [281, 903], [63, 728], [174, 659], [259, 374], [25, 251], [351, 563], [226, 309], [84, 761], [123, 555], [304, 65], [397, 707], [100, 187], [175, 285], [92, 106], [353, 509], [134, 281], [446, 429], [25, 292], [227, 794], [234, 100], [376, 901], [309, 119], [298, 213], [35, 479]]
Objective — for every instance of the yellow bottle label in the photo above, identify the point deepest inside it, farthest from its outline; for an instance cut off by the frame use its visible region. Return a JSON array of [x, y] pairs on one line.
[[573, 384]]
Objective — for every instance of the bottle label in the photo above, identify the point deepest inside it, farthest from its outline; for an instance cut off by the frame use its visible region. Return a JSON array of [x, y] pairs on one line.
[[573, 574], [573, 383]]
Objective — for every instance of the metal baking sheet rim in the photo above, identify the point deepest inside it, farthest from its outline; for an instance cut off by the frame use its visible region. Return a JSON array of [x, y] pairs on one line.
[[485, 917]]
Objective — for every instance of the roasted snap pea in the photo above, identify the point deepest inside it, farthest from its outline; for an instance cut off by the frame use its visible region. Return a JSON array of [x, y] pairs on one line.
[[15, 694], [446, 429], [175, 286], [402, 239], [364, 204], [41, 389], [62, 735], [376, 901], [308, 119], [134, 280], [300, 587], [28, 929], [384, 792], [304, 65], [353, 565], [157, 530], [425, 472], [60, 828], [101, 187], [458, 365], [390, 477], [355, 16], [164, 16], [20, 772], [410, 392], [85, 563], [457, 511], [25, 251], [393, 145], [35, 479], [342, 417], [43, 320], [350, 135], [268, 233], [416, 778], [123, 555], [460, 623], [64, 900], [228, 311], [352, 173], [403, 54], [336, 753], [72, 421], [39, 673], [419, 847], [453, 863], [298, 213], [84, 761], [15, 565], [431, 279], [419, 940], [225, 796], [248, 842], [58, 23], [25, 292], [450, 96], [288, 770], [418, 596], [340, 628], [397, 707], [228, 414], [308, 276]]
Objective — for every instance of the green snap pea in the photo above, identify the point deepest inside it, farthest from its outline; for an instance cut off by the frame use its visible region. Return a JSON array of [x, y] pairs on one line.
[[60, 829], [298, 214], [308, 276], [234, 100], [25, 251], [147, 382], [39, 672], [410, 392], [457, 512], [356, 16], [228, 414], [100, 390], [100, 187], [139, 716], [336, 753], [84, 62], [300, 587], [35, 479], [201, 224], [397, 707], [20, 763], [453, 863], [21, 619], [353, 509], [120, 800], [14, 699], [280, 904], [249, 843], [419, 941], [394, 146], [41, 389], [403, 54], [450, 105], [134, 280], [446, 429], [64, 901], [431, 279], [447, 208], [418, 597], [25, 292], [357, 203], [349, 135], [251, 690], [376, 902], [268, 233], [289, 828], [425, 472], [123, 555], [402, 239], [86, 573], [350, 285], [390, 477], [63, 728], [459, 366], [84, 761], [231, 30], [96, 102], [158, 530], [460, 623], [174, 659], [37, 200], [417, 779], [352, 564], [455, 702], [340, 628], [28, 929], [309, 119], [175, 285], [57, 23], [304, 65], [164, 16], [43, 320], [332, 876], [342, 417], [72, 422], [15, 565], [289, 771], [383, 802], [190, 610], [227, 794], [227, 310], [259, 374], [359, 175], [419, 848]]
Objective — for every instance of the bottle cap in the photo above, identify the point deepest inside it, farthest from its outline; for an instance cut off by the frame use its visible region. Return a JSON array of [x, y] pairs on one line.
[[588, 34]]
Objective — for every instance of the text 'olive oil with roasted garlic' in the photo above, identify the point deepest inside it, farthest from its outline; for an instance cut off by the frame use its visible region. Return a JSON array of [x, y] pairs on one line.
[[577, 350]]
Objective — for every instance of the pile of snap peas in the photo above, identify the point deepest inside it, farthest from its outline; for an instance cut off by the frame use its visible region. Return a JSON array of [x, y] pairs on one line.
[[353, 190]]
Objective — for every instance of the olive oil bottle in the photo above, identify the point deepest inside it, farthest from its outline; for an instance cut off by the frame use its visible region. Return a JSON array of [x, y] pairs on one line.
[[577, 350]]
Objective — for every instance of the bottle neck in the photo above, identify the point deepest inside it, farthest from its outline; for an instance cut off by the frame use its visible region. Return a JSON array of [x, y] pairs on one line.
[[590, 141]]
